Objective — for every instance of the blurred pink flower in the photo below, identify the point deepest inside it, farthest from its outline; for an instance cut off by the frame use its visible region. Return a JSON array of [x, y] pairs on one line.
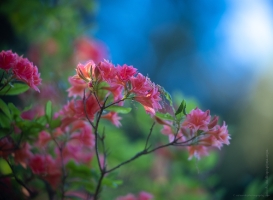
[[141, 196], [7, 60], [7, 146], [197, 120], [77, 87], [89, 49], [25, 71], [113, 117], [197, 151], [23, 154]]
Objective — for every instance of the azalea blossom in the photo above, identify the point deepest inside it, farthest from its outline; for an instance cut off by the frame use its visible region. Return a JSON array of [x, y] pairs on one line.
[[125, 72], [141, 196], [113, 117], [7, 59], [197, 120], [77, 87]]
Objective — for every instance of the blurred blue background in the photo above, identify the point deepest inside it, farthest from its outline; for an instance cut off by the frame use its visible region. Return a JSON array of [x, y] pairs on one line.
[[212, 50]]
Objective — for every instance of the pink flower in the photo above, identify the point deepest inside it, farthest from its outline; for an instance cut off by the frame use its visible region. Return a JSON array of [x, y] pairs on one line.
[[197, 151], [37, 164], [113, 117], [90, 49], [7, 146], [23, 154], [125, 72], [221, 134], [77, 87], [84, 136], [25, 71], [140, 84], [197, 120], [145, 196], [142, 196], [7, 60], [127, 197], [43, 138], [85, 72], [37, 111], [76, 152], [107, 71], [116, 90], [150, 101]]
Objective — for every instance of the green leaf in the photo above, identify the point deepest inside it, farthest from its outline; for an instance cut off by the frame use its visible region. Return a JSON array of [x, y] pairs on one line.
[[14, 111], [111, 183], [54, 123], [5, 108], [48, 111], [165, 116], [4, 121], [80, 171], [119, 109], [16, 88], [181, 108]]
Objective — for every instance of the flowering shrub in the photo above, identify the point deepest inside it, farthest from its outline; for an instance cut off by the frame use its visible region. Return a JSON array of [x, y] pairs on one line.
[[54, 153]]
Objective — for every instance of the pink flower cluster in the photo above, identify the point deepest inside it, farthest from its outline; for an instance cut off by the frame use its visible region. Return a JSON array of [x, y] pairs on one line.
[[123, 82], [21, 68], [86, 49], [198, 132], [73, 142], [141, 196]]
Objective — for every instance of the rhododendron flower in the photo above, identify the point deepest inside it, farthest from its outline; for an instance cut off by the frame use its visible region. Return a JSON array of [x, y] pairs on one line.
[[150, 101], [82, 132], [73, 151], [89, 49], [197, 120], [141, 196], [113, 117], [107, 71], [125, 72], [7, 60], [7, 146], [86, 71], [37, 164], [23, 154], [37, 111], [25, 71], [140, 84], [43, 138], [197, 151], [116, 90], [220, 133], [77, 87]]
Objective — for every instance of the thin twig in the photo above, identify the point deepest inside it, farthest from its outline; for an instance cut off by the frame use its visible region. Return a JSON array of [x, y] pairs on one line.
[[150, 133]]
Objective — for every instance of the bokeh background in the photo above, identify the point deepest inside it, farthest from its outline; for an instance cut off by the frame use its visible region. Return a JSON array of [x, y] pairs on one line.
[[216, 53]]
